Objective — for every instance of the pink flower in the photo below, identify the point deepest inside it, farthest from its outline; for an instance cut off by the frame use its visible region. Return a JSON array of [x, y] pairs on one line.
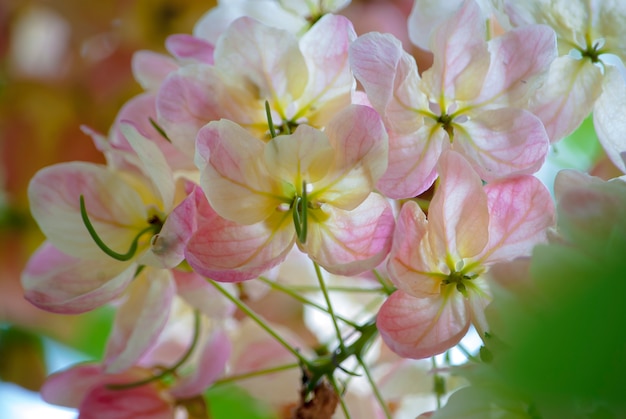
[[471, 100], [438, 263], [314, 181]]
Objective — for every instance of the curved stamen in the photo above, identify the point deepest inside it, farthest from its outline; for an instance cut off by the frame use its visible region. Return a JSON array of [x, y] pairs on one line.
[[123, 257]]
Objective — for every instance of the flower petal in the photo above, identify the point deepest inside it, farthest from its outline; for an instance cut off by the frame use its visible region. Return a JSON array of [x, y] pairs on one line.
[[150, 68], [139, 319], [609, 117], [57, 282], [350, 242], [502, 141], [422, 327], [189, 48], [235, 180], [521, 210], [458, 218]]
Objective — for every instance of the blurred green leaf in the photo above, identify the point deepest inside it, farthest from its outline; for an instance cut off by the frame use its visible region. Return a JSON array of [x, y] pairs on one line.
[[22, 358], [227, 401]]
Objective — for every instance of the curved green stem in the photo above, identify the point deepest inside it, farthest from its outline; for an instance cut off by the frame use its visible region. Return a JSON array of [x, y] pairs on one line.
[[377, 394], [257, 373], [331, 311], [304, 300], [270, 123], [250, 313], [123, 257], [172, 369]]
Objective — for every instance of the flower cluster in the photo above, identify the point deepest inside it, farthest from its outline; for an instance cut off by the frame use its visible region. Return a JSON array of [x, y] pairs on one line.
[[252, 166]]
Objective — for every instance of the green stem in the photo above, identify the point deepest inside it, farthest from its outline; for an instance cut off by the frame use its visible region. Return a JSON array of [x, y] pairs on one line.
[[467, 353], [256, 373], [331, 288], [320, 279], [342, 403], [250, 313], [386, 287], [304, 300], [172, 369], [123, 257], [268, 113], [377, 394]]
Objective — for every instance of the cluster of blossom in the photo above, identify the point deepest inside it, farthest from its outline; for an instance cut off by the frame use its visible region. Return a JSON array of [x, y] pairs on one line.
[[251, 137]]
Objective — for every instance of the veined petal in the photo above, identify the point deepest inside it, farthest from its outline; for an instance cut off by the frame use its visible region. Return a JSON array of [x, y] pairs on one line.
[[154, 164], [390, 79], [226, 251], [304, 155], [518, 59], [458, 218], [187, 100], [267, 57], [116, 210], [567, 96], [330, 81], [426, 16], [520, 212], [412, 162], [215, 352], [190, 48], [502, 141], [57, 282], [139, 319], [422, 327], [150, 68], [408, 266], [609, 117], [235, 180], [69, 387], [461, 58], [350, 242], [360, 144], [198, 293]]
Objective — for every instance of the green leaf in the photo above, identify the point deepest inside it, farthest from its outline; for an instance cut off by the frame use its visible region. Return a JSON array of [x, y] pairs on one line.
[[228, 401]]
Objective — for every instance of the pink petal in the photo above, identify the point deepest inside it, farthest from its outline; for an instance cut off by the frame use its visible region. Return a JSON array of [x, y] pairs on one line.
[[216, 351], [422, 327], [609, 117], [518, 58], [330, 81], [426, 16], [351, 242], [198, 293], [143, 402], [69, 387], [502, 142], [521, 210], [412, 162], [140, 319], [567, 96], [276, 72], [408, 266], [461, 58], [189, 48], [457, 216], [151, 68], [187, 100], [115, 209], [235, 180], [360, 143], [57, 282], [226, 251]]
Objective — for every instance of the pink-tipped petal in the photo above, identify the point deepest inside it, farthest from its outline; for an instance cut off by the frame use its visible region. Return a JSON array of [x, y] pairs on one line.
[[215, 352], [235, 179], [69, 387], [198, 293], [142, 402], [609, 117], [139, 319], [351, 242], [521, 210], [458, 217], [151, 68], [408, 266], [57, 282], [567, 96], [189, 48], [422, 327], [502, 142]]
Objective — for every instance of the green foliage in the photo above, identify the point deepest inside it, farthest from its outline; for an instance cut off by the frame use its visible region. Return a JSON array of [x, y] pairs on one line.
[[227, 401]]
